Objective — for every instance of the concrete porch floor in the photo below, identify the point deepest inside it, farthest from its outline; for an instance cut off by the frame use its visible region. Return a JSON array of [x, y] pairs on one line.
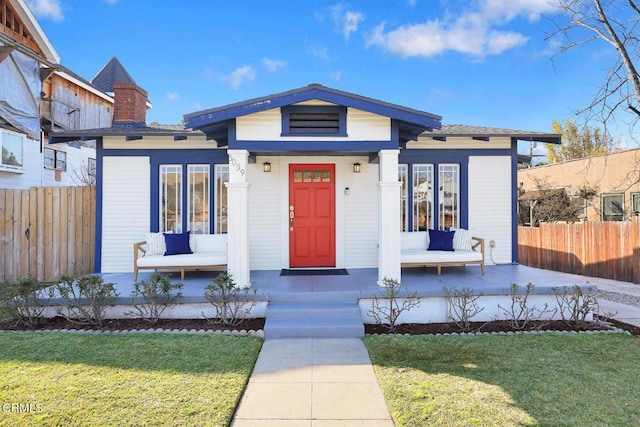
[[362, 282]]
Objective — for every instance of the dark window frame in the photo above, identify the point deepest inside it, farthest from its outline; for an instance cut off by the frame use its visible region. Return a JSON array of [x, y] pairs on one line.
[[58, 157], [611, 216]]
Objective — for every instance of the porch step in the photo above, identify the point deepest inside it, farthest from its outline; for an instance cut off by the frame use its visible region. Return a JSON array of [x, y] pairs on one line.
[[314, 315]]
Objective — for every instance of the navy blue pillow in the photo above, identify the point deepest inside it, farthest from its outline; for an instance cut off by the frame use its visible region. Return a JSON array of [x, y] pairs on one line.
[[440, 240], [177, 244]]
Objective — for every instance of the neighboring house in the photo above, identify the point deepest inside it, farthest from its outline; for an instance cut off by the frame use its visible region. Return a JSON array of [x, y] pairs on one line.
[[37, 96], [369, 170], [615, 177]]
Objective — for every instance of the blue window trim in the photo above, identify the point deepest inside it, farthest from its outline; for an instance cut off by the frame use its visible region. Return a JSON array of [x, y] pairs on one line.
[[156, 157], [183, 158], [342, 119]]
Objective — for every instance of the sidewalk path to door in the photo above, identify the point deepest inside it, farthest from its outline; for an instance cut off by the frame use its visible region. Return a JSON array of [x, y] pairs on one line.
[[313, 382]]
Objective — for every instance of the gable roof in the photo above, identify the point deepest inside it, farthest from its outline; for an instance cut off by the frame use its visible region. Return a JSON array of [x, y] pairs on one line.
[[112, 72], [33, 34], [214, 122]]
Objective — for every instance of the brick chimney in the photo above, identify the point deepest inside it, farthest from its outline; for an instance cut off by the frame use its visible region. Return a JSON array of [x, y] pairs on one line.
[[130, 108]]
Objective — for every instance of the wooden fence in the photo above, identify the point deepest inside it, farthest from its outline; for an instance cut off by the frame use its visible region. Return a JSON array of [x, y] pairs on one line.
[[597, 249], [46, 232]]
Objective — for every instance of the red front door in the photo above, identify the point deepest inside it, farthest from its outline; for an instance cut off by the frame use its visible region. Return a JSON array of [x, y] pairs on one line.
[[312, 231]]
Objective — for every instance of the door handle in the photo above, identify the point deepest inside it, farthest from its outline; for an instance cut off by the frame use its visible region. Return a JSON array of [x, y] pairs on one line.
[[291, 217]]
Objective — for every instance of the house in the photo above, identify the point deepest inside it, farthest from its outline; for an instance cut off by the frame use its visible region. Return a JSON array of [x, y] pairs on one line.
[[39, 96], [310, 177], [613, 177]]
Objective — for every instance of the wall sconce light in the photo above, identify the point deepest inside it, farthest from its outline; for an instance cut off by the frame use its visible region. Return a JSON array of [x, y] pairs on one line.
[[356, 168], [266, 167]]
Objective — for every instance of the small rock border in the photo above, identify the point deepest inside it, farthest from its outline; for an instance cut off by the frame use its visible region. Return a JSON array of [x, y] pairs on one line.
[[614, 330]]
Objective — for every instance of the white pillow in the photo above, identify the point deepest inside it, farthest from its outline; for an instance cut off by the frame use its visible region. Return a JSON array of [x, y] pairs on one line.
[[155, 244], [462, 239]]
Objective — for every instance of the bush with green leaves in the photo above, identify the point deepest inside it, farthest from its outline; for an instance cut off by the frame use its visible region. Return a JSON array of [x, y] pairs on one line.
[[85, 299], [150, 298], [231, 304], [387, 307], [462, 306], [26, 301]]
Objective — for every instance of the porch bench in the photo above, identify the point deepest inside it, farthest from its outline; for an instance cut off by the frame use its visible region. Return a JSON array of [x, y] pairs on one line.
[[414, 253], [209, 251]]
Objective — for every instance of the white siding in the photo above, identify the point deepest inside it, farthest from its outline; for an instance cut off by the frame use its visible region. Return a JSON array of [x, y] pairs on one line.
[[32, 175], [264, 215], [360, 214], [267, 126], [125, 210], [490, 209], [35, 175]]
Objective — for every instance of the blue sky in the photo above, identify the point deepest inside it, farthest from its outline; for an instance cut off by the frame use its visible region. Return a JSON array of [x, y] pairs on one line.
[[475, 62]]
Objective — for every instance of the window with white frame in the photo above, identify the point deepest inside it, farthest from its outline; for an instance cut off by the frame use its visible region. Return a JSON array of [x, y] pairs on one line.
[[422, 208], [198, 198], [171, 198], [194, 199], [55, 159], [403, 177], [449, 196], [612, 207], [12, 149]]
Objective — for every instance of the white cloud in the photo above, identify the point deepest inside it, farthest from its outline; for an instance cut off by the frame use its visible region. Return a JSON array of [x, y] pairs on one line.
[[321, 52], [273, 65], [347, 21], [240, 76], [474, 32], [337, 75], [46, 9], [173, 96]]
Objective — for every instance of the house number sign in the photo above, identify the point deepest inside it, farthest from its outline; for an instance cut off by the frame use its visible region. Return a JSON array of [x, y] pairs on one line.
[[234, 162]]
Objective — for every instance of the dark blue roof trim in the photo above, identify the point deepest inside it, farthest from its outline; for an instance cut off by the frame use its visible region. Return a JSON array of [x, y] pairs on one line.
[[206, 118], [312, 146]]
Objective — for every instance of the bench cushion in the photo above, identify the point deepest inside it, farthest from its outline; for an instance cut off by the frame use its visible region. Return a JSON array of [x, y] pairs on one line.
[[419, 256], [184, 260]]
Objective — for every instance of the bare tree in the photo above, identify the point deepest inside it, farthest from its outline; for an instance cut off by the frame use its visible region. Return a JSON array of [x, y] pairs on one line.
[[614, 22], [85, 174]]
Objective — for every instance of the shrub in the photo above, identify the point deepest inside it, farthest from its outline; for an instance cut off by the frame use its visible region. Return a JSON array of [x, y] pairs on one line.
[[150, 298], [462, 306], [519, 315], [387, 308], [575, 305], [26, 301], [85, 300], [232, 305]]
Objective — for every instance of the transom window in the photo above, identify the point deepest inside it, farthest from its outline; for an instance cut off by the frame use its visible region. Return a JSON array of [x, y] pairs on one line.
[[12, 149], [193, 202], [429, 208], [310, 120]]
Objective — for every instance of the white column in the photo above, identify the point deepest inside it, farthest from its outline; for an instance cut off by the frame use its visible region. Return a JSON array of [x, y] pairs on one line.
[[238, 218], [389, 217]]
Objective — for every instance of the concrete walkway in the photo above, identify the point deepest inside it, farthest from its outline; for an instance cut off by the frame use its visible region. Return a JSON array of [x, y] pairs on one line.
[[313, 382]]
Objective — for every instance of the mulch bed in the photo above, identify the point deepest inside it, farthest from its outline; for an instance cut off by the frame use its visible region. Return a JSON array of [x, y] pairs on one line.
[[134, 324], [57, 323], [495, 326]]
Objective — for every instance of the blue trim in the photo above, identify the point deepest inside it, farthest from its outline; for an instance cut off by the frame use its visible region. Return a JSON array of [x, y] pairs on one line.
[[324, 109], [208, 117], [311, 146], [514, 200], [97, 260]]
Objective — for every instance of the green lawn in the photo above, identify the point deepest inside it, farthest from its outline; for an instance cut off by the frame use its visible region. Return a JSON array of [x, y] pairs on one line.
[[109, 380], [547, 379]]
